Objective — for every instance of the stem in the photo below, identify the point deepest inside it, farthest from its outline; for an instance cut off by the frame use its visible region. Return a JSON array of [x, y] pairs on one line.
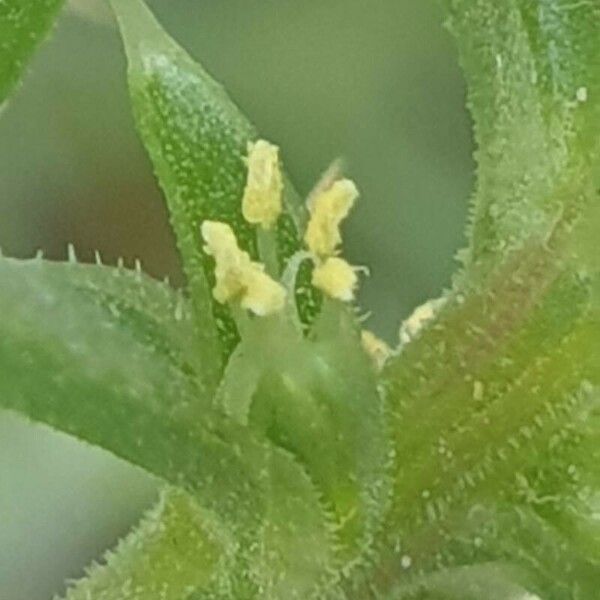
[[267, 250]]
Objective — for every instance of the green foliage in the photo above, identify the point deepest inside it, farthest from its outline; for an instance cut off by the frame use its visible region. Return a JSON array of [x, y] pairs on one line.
[[173, 538], [533, 75], [23, 25], [192, 131], [468, 468], [85, 347]]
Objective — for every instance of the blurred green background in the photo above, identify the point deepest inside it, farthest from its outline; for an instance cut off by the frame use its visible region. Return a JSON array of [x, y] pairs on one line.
[[374, 82]]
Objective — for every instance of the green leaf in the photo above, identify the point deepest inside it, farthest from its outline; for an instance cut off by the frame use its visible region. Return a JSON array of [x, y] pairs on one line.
[[492, 581], [197, 140], [559, 566], [533, 77], [23, 25], [176, 536], [317, 398], [110, 357], [498, 398]]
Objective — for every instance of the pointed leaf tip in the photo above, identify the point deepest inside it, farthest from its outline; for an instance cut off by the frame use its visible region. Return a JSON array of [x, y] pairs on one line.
[[197, 140]]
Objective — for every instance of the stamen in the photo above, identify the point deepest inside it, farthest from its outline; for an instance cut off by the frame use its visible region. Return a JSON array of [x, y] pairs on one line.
[[230, 261], [261, 203], [264, 296], [327, 210], [237, 276], [420, 316], [336, 278]]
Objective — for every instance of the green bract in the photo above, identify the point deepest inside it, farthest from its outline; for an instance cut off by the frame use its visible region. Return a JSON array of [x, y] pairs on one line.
[[468, 468]]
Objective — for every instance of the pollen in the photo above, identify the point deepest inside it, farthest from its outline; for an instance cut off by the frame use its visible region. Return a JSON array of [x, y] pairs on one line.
[[376, 348], [263, 296], [261, 203], [328, 208], [231, 263], [336, 278], [422, 315], [238, 278]]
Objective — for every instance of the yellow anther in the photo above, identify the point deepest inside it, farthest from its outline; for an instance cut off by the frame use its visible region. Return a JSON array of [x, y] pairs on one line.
[[263, 295], [376, 348], [336, 278], [230, 262], [237, 276], [420, 316], [327, 210], [261, 203]]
